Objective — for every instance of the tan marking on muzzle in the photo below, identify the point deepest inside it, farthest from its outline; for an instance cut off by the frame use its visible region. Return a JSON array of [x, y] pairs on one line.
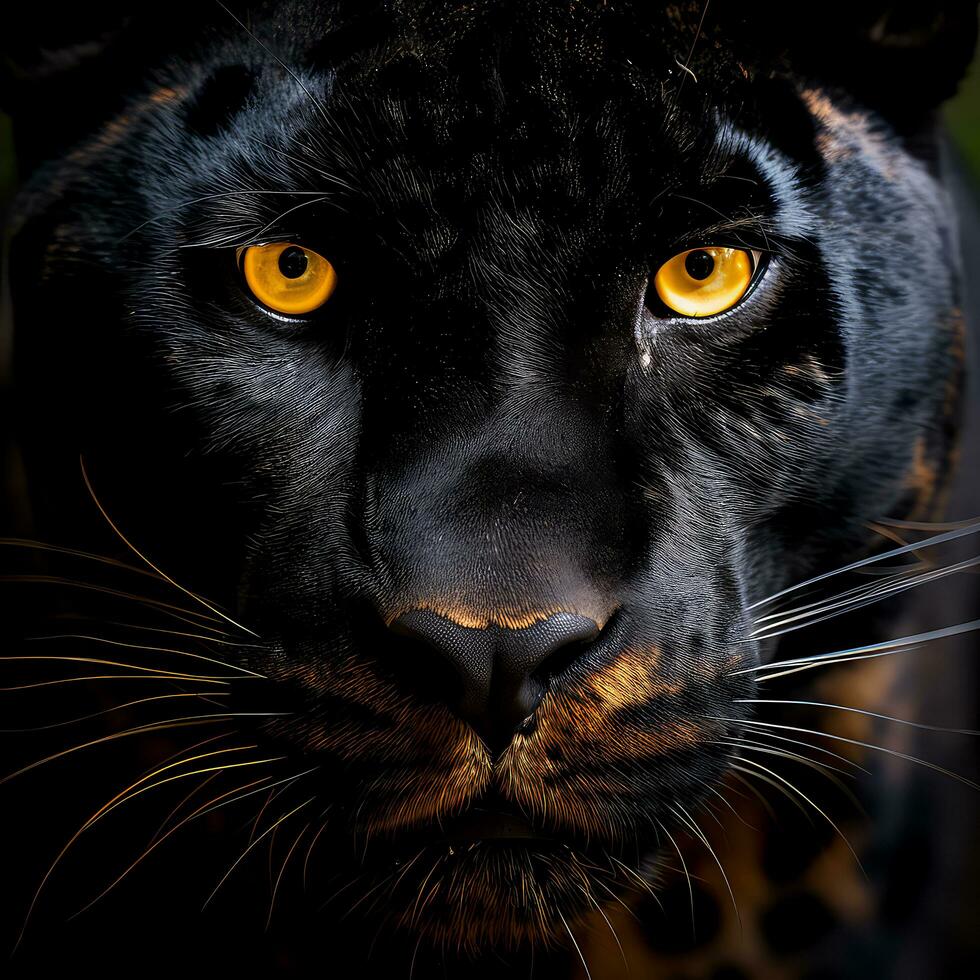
[[552, 771], [513, 618]]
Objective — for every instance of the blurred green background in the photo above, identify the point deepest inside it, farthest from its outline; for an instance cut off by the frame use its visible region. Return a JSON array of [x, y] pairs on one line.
[[963, 117]]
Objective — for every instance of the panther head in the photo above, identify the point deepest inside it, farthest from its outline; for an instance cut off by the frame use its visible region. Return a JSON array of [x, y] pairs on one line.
[[490, 363]]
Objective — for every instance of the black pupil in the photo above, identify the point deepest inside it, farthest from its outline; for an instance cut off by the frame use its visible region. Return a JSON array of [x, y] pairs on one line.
[[293, 262], [699, 264]]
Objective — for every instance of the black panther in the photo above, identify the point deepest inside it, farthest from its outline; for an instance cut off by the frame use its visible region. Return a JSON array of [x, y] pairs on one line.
[[478, 381]]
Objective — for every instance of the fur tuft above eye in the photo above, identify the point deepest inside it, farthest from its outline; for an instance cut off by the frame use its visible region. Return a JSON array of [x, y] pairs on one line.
[[288, 278], [705, 281]]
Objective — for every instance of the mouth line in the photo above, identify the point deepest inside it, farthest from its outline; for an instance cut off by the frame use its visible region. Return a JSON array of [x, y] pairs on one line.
[[484, 823], [487, 822], [495, 823]]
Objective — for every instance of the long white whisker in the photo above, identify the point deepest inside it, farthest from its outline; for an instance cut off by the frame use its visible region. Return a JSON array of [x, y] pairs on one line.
[[881, 592], [687, 819], [883, 648], [869, 745], [585, 966], [823, 767], [960, 532], [862, 711], [795, 741], [687, 874], [803, 796]]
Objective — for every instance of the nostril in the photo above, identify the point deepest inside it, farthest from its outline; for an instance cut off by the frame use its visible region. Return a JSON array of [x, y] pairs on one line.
[[572, 636], [563, 658]]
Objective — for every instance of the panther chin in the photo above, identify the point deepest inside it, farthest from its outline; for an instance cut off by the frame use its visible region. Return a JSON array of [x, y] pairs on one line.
[[491, 879]]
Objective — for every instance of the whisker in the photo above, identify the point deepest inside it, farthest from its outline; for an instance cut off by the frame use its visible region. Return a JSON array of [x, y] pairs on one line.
[[795, 741], [110, 677], [585, 966], [803, 796], [827, 771], [215, 634], [782, 790], [601, 884], [210, 806], [856, 590], [183, 722], [687, 819], [105, 663], [205, 198], [866, 714], [164, 607], [182, 633], [76, 553], [635, 876], [188, 749], [869, 651], [95, 818], [309, 850], [287, 779], [321, 108], [122, 537], [241, 239], [149, 649], [257, 840], [869, 745], [609, 926], [951, 535], [258, 817], [306, 164], [765, 803], [282, 871], [687, 873], [734, 812], [105, 711], [371, 891], [131, 792], [416, 911], [878, 593], [925, 525], [822, 767], [197, 789]]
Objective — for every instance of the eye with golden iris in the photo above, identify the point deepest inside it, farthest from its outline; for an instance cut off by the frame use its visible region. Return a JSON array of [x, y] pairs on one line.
[[288, 278], [705, 281]]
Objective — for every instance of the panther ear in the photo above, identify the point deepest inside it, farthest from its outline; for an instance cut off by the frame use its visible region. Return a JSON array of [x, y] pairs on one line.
[[902, 57]]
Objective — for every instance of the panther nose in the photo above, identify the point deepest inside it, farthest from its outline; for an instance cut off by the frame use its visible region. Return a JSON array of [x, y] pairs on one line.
[[499, 669]]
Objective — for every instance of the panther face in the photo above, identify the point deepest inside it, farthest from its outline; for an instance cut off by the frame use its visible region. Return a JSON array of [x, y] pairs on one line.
[[490, 364]]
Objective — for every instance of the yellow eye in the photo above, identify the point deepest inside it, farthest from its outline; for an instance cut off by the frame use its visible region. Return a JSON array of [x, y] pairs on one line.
[[704, 281], [288, 278]]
